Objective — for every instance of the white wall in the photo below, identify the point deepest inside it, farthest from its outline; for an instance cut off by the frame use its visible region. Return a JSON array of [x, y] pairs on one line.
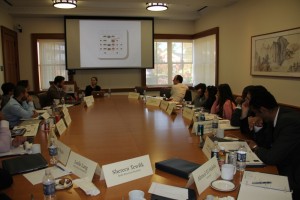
[[107, 78], [6, 21], [237, 24]]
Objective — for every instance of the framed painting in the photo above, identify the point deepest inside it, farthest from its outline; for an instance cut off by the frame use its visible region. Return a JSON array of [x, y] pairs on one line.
[[276, 54]]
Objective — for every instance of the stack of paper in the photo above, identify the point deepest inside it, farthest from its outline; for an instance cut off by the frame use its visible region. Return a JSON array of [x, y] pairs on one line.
[[261, 186]]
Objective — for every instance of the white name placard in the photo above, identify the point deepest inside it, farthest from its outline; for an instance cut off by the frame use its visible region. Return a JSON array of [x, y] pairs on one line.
[[63, 152], [81, 166], [68, 119], [61, 126], [188, 113], [45, 115], [127, 170], [164, 105], [133, 95], [153, 102], [88, 100], [205, 174], [170, 108], [65, 110], [207, 147]]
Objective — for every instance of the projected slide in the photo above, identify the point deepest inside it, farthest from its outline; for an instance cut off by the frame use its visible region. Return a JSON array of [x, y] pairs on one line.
[[110, 43]]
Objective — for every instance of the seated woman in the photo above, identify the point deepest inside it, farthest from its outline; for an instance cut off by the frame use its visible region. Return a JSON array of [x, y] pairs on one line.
[[210, 96], [224, 104], [200, 97], [92, 87]]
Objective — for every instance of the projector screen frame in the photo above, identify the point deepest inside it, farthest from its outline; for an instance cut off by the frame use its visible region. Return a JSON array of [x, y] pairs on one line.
[[107, 18]]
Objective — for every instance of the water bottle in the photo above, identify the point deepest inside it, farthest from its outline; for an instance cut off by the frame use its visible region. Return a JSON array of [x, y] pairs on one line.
[[49, 186], [241, 158], [145, 99], [164, 97], [53, 151], [215, 125], [62, 101], [215, 150]]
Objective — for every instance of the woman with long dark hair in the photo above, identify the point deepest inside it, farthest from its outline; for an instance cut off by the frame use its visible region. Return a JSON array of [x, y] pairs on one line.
[[224, 104]]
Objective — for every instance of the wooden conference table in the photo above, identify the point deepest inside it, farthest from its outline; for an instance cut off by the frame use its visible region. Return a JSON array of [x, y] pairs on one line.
[[117, 128]]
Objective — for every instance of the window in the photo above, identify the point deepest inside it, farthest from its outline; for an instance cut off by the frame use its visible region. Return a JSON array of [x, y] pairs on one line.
[[51, 61], [171, 57]]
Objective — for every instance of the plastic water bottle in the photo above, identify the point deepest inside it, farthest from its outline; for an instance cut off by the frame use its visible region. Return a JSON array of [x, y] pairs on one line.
[[49, 186], [215, 125], [241, 158], [53, 152], [215, 150]]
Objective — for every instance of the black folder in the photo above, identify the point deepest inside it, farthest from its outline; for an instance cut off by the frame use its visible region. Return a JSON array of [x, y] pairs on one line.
[[177, 166], [24, 163]]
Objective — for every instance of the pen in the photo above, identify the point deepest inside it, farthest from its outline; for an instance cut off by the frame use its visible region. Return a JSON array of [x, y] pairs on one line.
[[262, 182], [60, 167]]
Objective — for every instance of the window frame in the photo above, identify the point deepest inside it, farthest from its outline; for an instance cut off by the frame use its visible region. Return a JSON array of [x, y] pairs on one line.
[[34, 40], [213, 31]]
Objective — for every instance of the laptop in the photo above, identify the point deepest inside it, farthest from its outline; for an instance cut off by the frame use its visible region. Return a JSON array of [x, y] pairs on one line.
[[98, 94]]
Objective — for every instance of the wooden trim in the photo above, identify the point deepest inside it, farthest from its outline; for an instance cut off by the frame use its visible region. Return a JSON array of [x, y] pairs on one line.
[[34, 38], [173, 36]]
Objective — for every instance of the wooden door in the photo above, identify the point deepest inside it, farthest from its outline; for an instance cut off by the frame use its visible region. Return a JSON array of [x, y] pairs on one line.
[[10, 55]]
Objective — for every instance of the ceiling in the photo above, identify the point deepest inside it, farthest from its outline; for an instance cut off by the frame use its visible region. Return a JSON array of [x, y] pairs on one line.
[[178, 9]]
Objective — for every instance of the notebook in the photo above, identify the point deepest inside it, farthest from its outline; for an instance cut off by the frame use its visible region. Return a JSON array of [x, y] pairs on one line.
[[192, 196], [177, 166], [24, 164]]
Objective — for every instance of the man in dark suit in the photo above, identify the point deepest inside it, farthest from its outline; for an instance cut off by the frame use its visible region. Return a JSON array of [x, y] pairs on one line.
[[56, 90], [281, 135]]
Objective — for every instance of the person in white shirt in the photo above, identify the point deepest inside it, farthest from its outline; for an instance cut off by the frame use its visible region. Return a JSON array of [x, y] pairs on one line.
[[5, 136], [178, 89]]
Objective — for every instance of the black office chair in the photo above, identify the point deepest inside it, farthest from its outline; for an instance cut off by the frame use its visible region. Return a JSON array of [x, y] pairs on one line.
[[188, 95], [43, 99], [140, 89], [166, 91]]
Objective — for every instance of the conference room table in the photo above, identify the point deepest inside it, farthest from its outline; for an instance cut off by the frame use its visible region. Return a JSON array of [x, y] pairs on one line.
[[117, 128]]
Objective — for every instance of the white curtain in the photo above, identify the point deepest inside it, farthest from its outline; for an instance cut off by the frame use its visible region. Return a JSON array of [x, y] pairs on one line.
[[204, 69], [51, 60]]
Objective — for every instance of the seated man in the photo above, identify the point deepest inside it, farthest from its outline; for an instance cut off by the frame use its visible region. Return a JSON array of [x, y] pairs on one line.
[[8, 90], [200, 97], [281, 135], [20, 106], [56, 90], [178, 89]]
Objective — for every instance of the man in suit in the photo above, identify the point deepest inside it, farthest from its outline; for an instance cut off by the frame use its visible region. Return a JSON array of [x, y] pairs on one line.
[[56, 90], [281, 134]]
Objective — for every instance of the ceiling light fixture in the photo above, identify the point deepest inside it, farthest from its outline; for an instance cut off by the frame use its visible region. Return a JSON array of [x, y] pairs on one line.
[[65, 4], [157, 6]]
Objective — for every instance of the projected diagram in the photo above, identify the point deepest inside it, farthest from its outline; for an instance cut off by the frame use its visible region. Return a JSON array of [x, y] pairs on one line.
[[113, 44]]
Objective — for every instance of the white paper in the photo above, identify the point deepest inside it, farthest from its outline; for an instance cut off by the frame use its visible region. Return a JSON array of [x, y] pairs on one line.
[[31, 129], [45, 115], [36, 177], [87, 186], [169, 191], [188, 113], [68, 119], [14, 151], [164, 105]]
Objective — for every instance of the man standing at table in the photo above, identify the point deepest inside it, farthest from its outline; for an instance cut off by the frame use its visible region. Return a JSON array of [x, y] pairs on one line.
[[178, 89], [282, 132], [56, 90], [20, 106]]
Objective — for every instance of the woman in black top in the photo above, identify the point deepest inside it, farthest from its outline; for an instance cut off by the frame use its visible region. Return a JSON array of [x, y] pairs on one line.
[[92, 87]]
